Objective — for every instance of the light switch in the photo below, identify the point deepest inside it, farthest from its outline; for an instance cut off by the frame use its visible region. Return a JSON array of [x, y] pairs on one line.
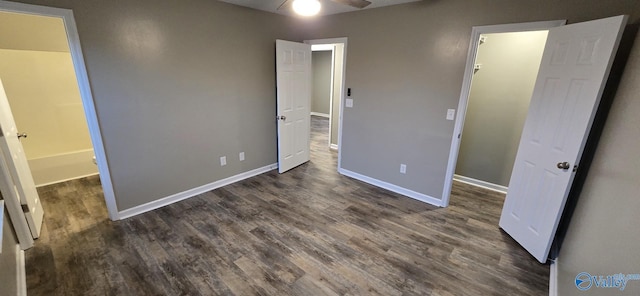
[[349, 103], [451, 114]]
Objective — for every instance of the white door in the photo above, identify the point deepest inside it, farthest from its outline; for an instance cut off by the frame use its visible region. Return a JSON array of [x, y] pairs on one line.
[[293, 71], [18, 167], [14, 208], [574, 69]]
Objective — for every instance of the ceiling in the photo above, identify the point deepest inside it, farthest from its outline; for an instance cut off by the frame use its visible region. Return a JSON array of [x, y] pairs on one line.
[[328, 7]]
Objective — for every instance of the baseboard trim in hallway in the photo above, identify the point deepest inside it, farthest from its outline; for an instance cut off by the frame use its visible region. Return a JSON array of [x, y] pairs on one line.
[[193, 192], [553, 278], [21, 272], [480, 183], [393, 188]]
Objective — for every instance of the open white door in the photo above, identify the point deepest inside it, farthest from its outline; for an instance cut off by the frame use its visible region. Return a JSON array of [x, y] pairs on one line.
[[18, 167], [14, 208], [574, 69], [293, 71]]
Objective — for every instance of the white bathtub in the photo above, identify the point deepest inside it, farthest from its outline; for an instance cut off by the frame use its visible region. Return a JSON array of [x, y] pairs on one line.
[[62, 167]]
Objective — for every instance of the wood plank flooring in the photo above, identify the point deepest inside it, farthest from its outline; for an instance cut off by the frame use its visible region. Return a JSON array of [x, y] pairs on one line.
[[307, 232]]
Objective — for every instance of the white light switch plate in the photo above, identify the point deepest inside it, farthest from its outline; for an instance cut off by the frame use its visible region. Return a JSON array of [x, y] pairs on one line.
[[223, 161], [451, 114], [349, 103]]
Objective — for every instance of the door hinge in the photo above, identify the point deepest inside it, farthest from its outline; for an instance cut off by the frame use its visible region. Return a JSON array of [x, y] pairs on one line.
[[575, 168]]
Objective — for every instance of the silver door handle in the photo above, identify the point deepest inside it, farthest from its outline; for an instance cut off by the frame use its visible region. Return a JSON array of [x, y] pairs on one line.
[[22, 135], [283, 118], [563, 165]]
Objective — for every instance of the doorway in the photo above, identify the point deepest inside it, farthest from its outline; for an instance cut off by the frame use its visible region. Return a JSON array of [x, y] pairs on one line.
[[475, 161], [504, 76], [42, 90], [330, 56], [87, 106], [322, 57]]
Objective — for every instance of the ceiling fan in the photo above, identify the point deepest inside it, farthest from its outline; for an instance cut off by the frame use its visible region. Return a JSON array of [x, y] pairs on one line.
[[353, 3]]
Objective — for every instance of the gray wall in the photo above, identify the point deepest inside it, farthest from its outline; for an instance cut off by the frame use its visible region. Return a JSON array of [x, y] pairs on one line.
[[405, 66], [321, 85], [177, 85], [498, 104], [8, 259], [603, 236]]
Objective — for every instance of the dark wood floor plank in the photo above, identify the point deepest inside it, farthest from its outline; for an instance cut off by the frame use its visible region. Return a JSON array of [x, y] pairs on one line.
[[309, 231]]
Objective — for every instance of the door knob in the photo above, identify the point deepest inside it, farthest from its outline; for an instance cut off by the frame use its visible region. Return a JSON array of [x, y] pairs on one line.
[[281, 117], [564, 165], [22, 135]]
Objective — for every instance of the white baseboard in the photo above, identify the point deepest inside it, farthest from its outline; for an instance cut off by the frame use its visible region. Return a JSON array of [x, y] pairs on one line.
[[320, 114], [21, 271], [394, 188], [333, 146], [192, 192], [553, 278], [480, 183]]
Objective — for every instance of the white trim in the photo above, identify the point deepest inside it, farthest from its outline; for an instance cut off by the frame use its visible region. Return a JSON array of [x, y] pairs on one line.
[[322, 47], [394, 188], [193, 192], [343, 41], [480, 183], [332, 89], [84, 87], [553, 278], [1, 222], [21, 272], [327, 41], [333, 146], [320, 114], [466, 88]]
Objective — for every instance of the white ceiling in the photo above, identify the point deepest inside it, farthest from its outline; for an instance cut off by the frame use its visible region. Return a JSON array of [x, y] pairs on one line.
[[328, 6]]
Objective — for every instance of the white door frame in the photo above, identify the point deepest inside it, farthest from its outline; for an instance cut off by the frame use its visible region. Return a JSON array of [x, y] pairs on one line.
[[343, 41], [85, 91], [466, 87]]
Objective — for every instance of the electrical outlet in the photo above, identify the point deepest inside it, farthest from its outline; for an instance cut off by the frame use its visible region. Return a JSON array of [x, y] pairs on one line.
[[403, 168], [451, 114], [223, 161], [241, 156]]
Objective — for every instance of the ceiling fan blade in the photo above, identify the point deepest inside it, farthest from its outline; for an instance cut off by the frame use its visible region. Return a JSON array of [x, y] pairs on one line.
[[354, 3], [282, 4]]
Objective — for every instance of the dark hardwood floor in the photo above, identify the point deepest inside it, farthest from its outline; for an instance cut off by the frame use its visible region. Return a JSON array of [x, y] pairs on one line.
[[310, 231]]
